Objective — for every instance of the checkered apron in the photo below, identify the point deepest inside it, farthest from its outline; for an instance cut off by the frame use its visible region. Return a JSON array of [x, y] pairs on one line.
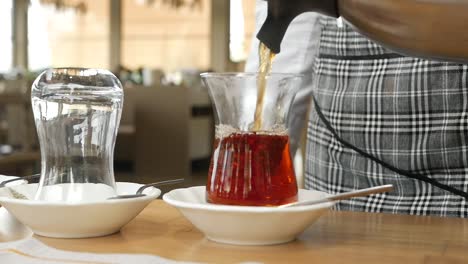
[[409, 113]]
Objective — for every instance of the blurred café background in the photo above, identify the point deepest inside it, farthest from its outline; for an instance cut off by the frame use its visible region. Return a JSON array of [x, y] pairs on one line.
[[157, 48]]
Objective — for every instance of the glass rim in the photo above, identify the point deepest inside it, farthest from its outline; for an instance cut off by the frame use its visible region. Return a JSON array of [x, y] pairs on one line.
[[250, 74], [77, 76], [78, 69]]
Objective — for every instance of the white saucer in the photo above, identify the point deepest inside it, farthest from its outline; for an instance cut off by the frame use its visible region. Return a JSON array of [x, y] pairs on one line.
[[76, 220], [246, 225], [6, 178]]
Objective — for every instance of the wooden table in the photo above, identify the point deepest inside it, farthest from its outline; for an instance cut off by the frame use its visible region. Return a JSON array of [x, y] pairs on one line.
[[338, 237]]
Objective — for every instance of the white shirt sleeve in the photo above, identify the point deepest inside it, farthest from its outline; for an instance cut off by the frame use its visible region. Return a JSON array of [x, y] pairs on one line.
[[298, 51]]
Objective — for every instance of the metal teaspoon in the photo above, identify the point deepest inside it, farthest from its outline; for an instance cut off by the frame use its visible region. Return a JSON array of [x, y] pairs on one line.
[[140, 193], [343, 196]]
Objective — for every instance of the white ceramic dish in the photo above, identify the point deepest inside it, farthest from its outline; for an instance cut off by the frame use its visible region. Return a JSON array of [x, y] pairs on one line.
[[246, 225], [76, 220], [6, 178]]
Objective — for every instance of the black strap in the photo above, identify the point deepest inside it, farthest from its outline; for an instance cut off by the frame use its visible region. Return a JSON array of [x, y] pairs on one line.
[[383, 163]]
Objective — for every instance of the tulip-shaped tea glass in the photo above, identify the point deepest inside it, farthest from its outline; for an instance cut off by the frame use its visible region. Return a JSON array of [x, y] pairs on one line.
[[77, 114], [251, 162]]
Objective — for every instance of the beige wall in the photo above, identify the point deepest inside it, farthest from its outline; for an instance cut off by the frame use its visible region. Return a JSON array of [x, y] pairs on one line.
[[152, 36], [161, 37], [80, 40]]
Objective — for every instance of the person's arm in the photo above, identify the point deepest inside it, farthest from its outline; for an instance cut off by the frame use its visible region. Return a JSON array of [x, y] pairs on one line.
[[424, 28], [431, 28]]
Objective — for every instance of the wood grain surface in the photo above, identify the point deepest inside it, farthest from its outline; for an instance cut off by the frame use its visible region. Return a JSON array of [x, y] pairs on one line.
[[338, 237]]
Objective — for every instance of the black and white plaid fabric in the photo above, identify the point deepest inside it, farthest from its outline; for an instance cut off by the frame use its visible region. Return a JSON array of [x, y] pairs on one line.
[[411, 113]]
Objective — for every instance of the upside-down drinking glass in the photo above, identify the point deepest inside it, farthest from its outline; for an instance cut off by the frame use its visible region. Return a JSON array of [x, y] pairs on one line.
[[77, 113]]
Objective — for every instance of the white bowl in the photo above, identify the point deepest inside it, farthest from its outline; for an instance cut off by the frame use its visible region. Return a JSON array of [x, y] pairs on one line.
[[6, 178], [246, 225], [75, 220]]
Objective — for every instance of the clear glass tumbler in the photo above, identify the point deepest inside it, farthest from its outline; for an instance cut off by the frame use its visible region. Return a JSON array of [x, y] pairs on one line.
[[251, 162], [77, 113]]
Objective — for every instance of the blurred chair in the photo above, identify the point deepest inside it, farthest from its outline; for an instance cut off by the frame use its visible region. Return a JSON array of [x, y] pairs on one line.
[[154, 134], [162, 133], [19, 134]]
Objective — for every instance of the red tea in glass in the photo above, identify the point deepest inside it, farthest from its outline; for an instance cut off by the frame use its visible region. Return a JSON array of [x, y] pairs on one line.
[[251, 168], [251, 162]]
